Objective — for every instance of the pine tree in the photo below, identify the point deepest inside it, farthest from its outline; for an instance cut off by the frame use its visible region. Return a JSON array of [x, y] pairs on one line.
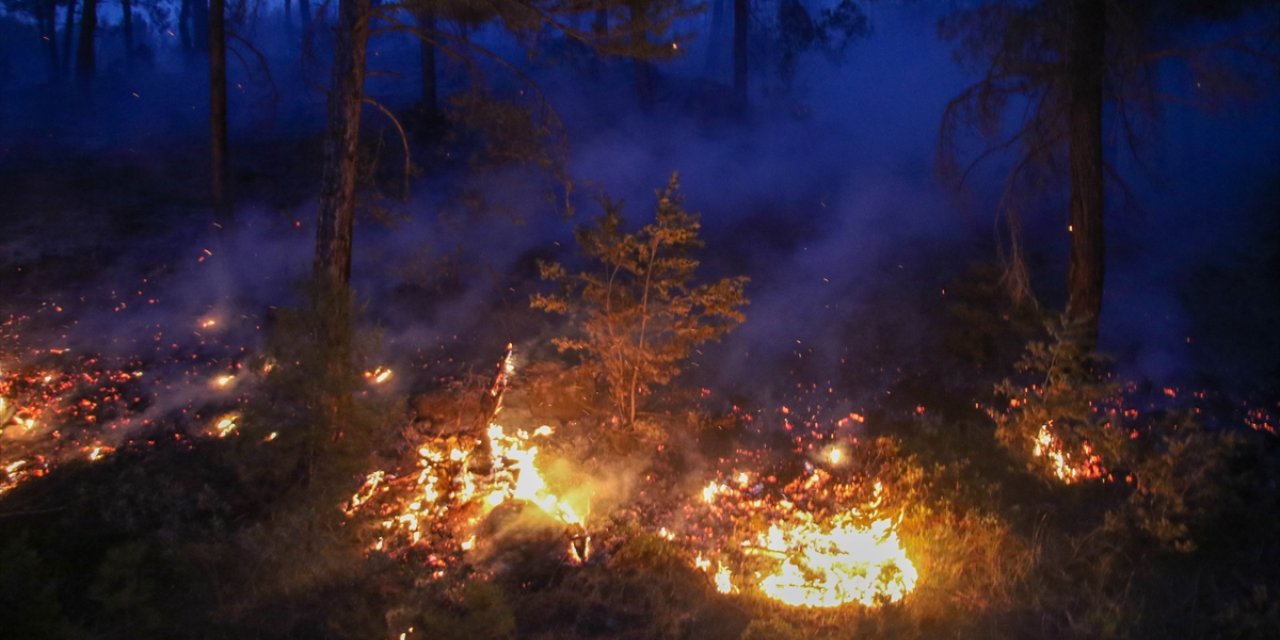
[[638, 311]]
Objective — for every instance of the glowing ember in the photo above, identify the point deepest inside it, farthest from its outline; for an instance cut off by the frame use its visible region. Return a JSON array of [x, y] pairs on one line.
[[724, 580], [1086, 465], [710, 491], [835, 455], [378, 375], [371, 483], [224, 381], [226, 425]]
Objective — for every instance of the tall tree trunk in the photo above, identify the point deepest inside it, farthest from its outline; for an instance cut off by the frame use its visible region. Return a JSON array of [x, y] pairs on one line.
[[200, 25], [714, 38], [427, 56], [218, 106], [126, 8], [599, 32], [288, 13], [184, 25], [332, 265], [741, 15], [49, 34], [304, 12], [600, 24], [86, 63], [68, 34], [1086, 67], [637, 13]]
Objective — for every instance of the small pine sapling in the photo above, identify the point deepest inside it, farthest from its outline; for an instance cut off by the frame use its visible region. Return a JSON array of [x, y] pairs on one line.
[[638, 311]]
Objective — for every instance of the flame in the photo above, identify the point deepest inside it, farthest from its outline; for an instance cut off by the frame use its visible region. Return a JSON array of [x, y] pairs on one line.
[[453, 491], [226, 425], [724, 580], [828, 564], [799, 546], [1067, 467], [710, 491], [378, 375], [460, 480], [835, 455], [371, 483], [523, 481]]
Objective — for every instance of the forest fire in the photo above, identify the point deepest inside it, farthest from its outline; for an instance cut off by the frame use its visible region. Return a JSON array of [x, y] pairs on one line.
[[58, 406], [799, 556], [226, 425], [461, 479], [54, 412], [378, 375], [1068, 467]]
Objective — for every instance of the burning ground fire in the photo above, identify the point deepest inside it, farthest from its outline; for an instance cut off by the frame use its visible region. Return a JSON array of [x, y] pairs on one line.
[[461, 479], [57, 410], [811, 535], [58, 406], [800, 544]]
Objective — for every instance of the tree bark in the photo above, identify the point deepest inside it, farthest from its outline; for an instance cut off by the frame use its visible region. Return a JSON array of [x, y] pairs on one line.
[[199, 25], [48, 19], [304, 13], [600, 24], [68, 34], [714, 40], [184, 25], [86, 64], [332, 265], [427, 56], [218, 106], [1086, 66], [741, 15], [639, 18]]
